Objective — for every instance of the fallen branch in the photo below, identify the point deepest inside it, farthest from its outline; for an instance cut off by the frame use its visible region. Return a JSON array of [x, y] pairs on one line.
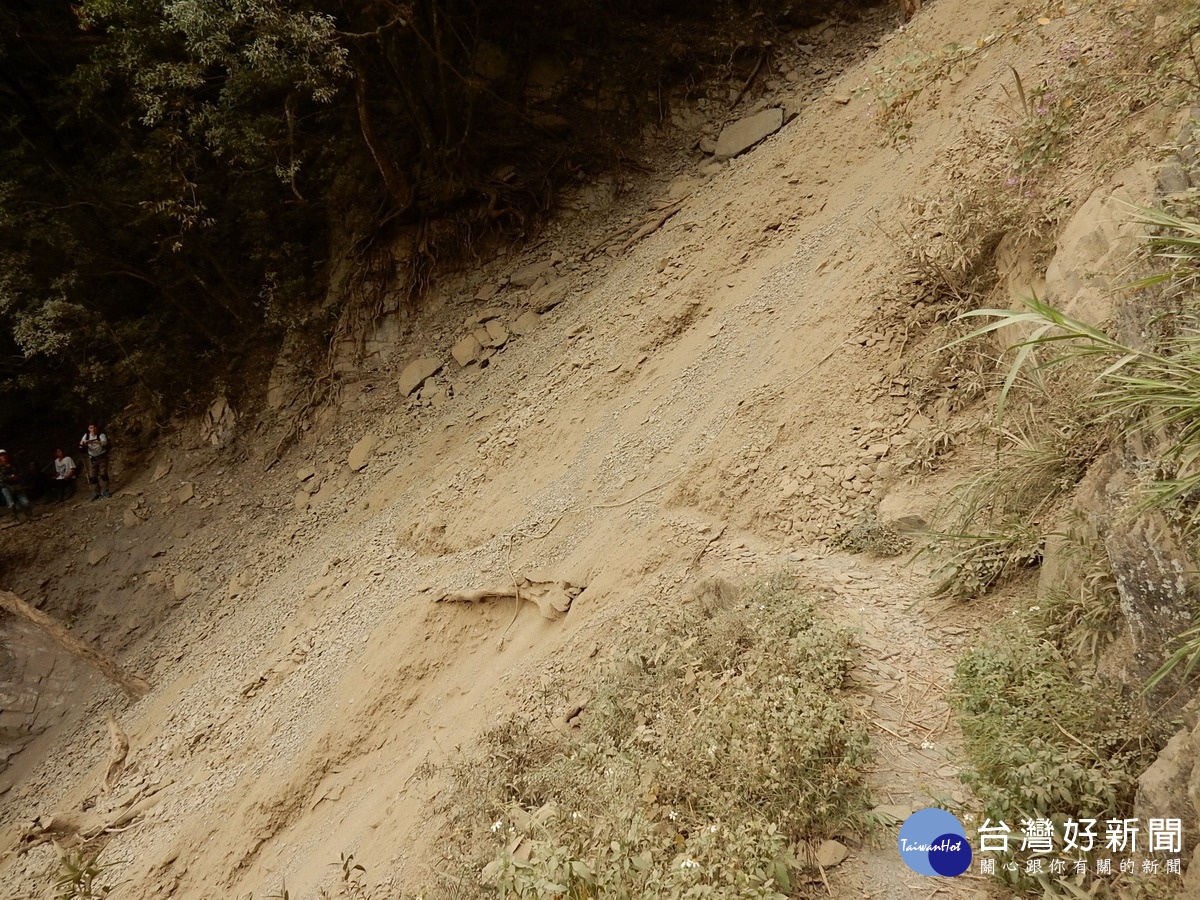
[[69, 830], [652, 226], [117, 753], [553, 598], [133, 685], [762, 58], [476, 596]]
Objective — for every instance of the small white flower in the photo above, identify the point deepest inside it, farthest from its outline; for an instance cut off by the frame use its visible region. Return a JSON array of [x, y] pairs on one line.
[[576, 816], [1034, 608], [497, 825], [713, 828], [928, 745], [689, 865]]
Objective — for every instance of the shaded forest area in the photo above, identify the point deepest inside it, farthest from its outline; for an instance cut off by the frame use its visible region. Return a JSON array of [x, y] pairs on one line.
[[178, 175]]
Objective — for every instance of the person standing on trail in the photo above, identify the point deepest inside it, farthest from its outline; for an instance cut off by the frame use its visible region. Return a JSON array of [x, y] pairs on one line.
[[64, 475], [12, 485], [95, 442]]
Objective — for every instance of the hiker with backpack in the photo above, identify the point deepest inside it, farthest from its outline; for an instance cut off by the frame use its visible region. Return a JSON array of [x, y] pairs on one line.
[[95, 442]]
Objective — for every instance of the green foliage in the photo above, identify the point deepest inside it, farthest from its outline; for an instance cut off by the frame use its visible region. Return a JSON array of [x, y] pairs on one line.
[[972, 563], [351, 881], [1044, 733], [141, 212], [1151, 392], [1046, 738], [1049, 114], [1083, 618], [705, 766], [182, 179], [78, 876]]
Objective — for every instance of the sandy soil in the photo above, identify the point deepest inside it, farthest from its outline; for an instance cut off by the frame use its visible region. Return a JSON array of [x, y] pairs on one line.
[[707, 401]]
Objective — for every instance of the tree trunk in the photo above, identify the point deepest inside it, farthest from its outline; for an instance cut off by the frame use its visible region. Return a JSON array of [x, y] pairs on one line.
[[398, 187], [134, 686]]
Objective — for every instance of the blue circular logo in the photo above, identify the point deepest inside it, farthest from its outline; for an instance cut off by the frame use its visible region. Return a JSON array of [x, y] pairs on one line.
[[933, 842]]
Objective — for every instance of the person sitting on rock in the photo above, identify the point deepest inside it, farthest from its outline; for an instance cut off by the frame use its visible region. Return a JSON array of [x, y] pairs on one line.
[[12, 485], [95, 442], [65, 474]]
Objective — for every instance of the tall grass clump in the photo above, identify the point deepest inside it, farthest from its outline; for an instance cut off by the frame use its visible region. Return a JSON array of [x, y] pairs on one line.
[[993, 525], [1150, 392]]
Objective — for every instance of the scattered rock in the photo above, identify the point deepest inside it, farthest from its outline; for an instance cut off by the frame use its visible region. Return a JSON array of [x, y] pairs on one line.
[[219, 422], [185, 493], [684, 185], [525, 277], [467, 350], [360, 453], [907, 508], [301, 501], [184, 585], [891, 814], [831, 853], [328, 491], [239, 584], [745, 133], [97, 556], [416, 372], [492, 312], [428, 390], [525, 323], [132, 520], [554, 602], [498, 334], [487, 292], [306, 473], [909, 524], [161, 471], [549, 297]]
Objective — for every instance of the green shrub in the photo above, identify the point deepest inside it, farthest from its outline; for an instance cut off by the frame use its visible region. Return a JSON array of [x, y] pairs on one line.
[[706, 765], [1045, 738]]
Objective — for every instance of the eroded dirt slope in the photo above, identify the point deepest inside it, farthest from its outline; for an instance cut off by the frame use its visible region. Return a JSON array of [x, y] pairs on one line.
[[717, 397]]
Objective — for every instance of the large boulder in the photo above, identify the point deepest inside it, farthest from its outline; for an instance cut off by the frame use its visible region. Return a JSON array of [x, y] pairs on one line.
[[743, 134], [415, 373]]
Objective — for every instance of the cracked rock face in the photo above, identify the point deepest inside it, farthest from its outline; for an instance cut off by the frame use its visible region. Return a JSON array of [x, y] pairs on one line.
[[36, 681], [1157, 596], [1170, 789]]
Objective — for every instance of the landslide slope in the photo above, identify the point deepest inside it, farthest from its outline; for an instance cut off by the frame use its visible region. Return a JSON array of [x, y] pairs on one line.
[[719, 392]]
